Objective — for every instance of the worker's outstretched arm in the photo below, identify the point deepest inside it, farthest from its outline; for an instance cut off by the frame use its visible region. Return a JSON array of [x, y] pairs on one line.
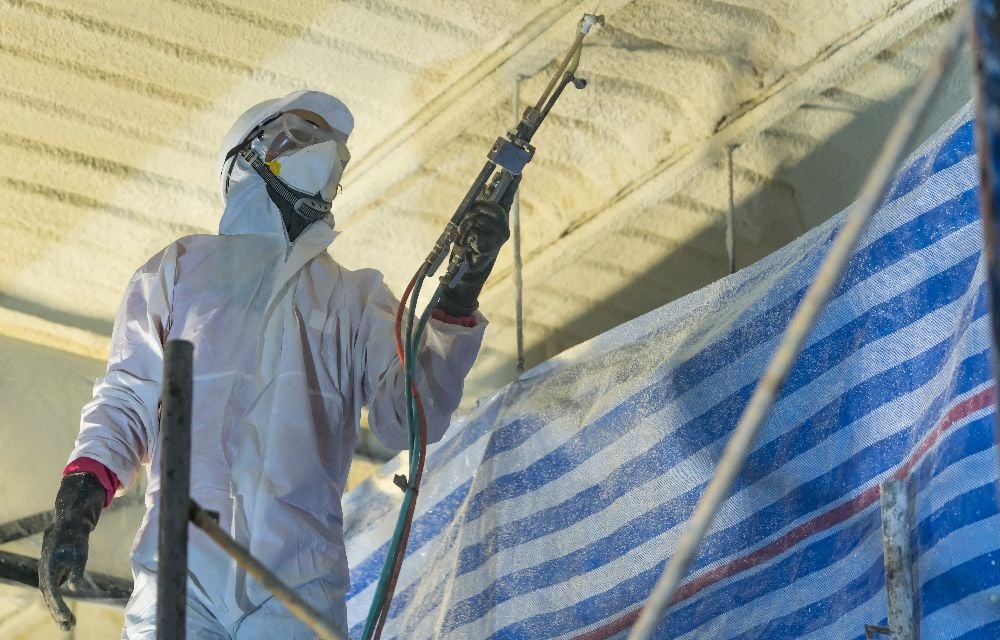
[[450, 344], [447, 352], [117, 428]]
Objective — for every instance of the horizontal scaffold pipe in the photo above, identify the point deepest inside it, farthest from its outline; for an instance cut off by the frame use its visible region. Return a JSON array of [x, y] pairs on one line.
[[21, 570]]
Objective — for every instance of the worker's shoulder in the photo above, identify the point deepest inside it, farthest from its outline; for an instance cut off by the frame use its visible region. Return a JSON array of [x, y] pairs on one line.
[[363, 278], [201, 242], [208, 240], [212, 244], [193, 241]]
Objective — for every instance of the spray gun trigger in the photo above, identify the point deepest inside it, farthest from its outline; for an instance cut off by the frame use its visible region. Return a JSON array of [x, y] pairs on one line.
[[462, 269]]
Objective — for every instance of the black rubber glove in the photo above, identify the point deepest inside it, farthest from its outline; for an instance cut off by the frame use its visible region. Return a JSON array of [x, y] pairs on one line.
[[65, 543], [480, 235]]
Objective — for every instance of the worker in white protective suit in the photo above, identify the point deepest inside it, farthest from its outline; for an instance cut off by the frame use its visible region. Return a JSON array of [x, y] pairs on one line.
[[288, 346]]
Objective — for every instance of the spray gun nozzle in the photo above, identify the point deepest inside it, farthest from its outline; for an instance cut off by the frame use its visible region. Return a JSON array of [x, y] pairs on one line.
[[588, 21]]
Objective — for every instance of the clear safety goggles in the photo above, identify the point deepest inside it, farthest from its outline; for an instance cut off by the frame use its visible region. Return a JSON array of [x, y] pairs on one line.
[[291, 131]]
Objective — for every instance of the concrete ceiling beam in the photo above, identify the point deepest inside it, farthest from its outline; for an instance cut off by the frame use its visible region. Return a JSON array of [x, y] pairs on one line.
[[45, 333]]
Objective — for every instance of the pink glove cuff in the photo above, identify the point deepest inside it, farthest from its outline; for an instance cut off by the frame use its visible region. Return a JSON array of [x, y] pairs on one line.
[[105, 476], [462, 321]]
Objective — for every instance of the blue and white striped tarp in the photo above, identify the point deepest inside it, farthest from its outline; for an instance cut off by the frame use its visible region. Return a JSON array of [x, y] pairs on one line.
[[550, 510]]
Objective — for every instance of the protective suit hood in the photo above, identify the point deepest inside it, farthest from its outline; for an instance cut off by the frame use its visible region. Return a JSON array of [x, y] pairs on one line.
[[248, 209]]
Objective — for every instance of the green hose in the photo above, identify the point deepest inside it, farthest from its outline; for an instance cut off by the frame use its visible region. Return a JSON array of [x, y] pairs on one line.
[[410, 346]]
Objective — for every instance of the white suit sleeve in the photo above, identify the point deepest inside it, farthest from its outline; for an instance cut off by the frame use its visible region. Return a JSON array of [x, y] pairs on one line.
[[121, 423], [447, 352]]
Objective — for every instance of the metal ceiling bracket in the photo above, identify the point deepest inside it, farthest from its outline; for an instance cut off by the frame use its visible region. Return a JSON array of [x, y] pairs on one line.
[[731, 211]]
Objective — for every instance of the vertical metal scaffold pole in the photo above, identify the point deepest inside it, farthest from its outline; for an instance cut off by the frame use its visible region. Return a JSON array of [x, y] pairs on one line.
[[175, 482], [897, 513], [515, 219], [730, 212], [986, 53]]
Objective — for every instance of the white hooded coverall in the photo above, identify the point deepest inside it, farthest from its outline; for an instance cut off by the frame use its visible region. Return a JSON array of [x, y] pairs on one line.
[[288, 346]]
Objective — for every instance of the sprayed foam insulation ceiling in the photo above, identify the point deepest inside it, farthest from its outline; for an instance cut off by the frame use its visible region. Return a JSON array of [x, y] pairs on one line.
[[114, 112]]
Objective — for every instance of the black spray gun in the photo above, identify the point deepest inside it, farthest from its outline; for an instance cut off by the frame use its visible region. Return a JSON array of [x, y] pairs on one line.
[[508, 157]]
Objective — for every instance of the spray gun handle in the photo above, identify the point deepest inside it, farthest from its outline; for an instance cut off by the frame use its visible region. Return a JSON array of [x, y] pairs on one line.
[[434, 259]]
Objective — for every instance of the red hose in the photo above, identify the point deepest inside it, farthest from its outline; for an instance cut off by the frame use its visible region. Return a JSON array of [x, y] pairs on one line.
[[399, 316]]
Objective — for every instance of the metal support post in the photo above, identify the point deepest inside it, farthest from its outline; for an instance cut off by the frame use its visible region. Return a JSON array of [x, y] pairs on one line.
[[175, 483], [897, 513], [730, 230], [986, 54], [515, 220]]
